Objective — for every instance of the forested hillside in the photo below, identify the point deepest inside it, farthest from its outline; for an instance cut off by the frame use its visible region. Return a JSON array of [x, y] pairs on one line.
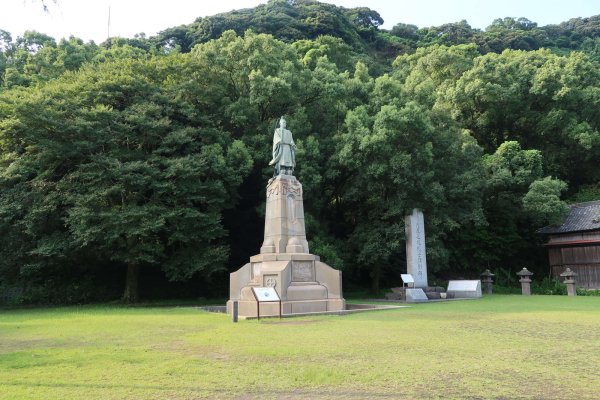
[[137, 167]]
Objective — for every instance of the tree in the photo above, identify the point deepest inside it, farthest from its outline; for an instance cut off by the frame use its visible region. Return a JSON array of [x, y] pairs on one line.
[[543, 101], [398, 156], [447, 34], [433, 70], [514, 191], [33, 41], [543, 202], [408, 31], [123, 166], [510, 23]]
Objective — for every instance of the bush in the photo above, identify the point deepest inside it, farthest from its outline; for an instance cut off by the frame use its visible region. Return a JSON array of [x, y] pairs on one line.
[[11, 295], [549, 286], [505, 278], [587, 292], [498, 289]]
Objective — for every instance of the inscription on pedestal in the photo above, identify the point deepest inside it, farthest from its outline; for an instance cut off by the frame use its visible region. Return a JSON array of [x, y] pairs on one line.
[[303, 271], [283, 187]]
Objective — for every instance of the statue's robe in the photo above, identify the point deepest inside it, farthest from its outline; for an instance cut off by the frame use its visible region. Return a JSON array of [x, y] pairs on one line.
[[283, 149]]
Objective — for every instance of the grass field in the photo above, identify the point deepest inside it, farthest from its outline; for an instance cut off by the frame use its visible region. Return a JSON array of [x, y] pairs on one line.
[[502, 347]]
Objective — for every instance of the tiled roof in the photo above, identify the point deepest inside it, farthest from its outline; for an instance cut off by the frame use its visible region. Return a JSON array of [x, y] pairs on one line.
[[582, 217]]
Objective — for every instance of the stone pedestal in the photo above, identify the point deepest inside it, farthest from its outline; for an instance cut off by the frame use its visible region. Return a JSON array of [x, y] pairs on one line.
[[302, 281], [284, 217]]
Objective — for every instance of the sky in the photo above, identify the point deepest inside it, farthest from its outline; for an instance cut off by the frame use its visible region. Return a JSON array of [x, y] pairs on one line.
[[88, 19]]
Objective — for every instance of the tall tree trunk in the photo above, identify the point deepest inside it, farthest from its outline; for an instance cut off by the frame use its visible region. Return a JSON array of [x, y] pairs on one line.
[[131, 284], [375, 276]]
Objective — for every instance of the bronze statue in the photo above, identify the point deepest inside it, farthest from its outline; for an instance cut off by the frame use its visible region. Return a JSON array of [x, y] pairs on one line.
[[284, 150]]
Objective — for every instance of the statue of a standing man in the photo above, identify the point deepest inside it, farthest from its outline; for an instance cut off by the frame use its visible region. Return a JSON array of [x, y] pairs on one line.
[[284, 150]]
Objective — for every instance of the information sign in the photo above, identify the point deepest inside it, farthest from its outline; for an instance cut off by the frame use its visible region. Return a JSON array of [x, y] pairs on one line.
[[265, 294]]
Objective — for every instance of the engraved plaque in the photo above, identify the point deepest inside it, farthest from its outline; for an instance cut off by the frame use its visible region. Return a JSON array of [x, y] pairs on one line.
[[302, 271]]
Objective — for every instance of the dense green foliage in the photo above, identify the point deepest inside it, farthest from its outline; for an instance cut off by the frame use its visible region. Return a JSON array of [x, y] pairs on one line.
[[149, 155]]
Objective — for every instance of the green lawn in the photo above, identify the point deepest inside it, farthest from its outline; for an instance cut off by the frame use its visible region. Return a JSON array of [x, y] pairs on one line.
[[503, 347]]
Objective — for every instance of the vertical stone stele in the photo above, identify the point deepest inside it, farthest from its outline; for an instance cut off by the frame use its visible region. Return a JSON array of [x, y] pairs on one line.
[[416, 260], [302, 281]]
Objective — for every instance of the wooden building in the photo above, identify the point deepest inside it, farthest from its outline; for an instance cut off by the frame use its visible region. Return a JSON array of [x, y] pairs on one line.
[[576, 244]]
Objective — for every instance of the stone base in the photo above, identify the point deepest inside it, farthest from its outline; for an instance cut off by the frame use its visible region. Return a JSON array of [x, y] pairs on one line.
[[302, 281], [415, 295], [250, 309]]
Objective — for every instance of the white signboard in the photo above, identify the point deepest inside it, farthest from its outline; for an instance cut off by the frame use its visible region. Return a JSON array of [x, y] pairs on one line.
[[265, 294], [465, 289], [414, 226], [407, 278], [463, 285]]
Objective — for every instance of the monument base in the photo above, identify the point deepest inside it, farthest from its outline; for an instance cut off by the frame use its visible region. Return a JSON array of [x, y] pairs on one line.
[[416, 295], [250, 308], [302, 281]]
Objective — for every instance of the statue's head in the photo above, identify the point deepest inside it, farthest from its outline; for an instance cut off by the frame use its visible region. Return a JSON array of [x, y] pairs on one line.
[[282, 122]]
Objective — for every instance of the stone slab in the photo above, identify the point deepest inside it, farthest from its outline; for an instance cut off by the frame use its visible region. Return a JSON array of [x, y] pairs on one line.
[[416, 296], [465, 289]]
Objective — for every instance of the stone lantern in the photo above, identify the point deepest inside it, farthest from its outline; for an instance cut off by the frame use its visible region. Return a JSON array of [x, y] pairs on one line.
[[525, 281], [570, 281], [487, 280]]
